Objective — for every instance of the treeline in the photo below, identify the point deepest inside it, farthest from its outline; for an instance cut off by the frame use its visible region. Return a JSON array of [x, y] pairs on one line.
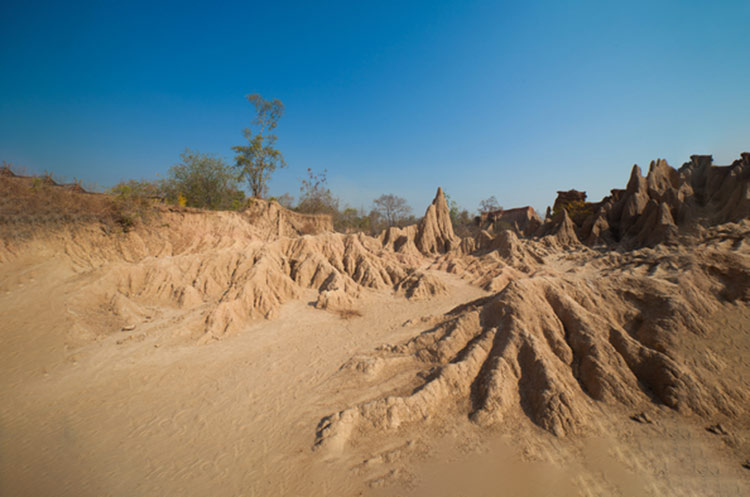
[[198, 180], [316, 198], [208, 182]]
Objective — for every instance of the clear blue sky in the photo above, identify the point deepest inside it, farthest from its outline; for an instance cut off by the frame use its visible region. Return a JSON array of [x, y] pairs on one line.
[[515, 99]]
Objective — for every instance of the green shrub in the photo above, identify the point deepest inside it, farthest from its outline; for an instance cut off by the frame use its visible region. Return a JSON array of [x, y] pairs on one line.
[[134, 201], [204, 181], [578, 211]]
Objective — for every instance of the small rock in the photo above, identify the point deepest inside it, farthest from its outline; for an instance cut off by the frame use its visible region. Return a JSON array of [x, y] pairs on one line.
[[717, 429], [129, 327], [156, 345], [747, 464], [642, 418]]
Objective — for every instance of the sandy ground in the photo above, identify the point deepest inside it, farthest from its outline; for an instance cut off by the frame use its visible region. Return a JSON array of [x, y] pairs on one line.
[[146, 412]]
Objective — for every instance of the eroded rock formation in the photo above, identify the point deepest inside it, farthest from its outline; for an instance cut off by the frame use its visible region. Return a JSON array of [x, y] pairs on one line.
[[523, 220], [651, 208], [435, 231], [552, 344], [565, 198]]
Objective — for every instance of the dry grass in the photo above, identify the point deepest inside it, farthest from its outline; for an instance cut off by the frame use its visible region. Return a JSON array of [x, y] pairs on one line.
[[28, 204], [308, 229], [349, 313]]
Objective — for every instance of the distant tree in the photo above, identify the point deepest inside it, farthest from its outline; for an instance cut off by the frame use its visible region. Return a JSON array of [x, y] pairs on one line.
[[350, 220], [460, 218], [392, 208], [452, 207], [376, 222], [259, 158], [286, 200], [202, 180], [489, 205], [315, 196]]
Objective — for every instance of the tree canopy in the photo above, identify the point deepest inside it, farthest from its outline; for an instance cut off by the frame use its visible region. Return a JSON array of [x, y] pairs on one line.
[[259, 158], [203, 181]]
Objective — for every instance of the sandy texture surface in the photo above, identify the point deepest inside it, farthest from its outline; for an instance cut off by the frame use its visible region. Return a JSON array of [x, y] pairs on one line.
[[229, 354]]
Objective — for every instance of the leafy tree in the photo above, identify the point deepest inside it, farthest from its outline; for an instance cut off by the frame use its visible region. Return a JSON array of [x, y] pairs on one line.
[[351, 220], [489, 205], [462, 221], [452, 207], [392, 208], [315, 196], [203, 181], [259, 158]]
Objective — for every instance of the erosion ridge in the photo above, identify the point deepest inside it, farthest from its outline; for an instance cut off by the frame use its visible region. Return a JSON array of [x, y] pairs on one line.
[[226, 268], [569, 327], [553, 343], [576, 315], [653, 209]]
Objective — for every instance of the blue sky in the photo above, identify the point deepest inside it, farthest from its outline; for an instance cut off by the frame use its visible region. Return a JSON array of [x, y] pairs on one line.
[[515, 99]]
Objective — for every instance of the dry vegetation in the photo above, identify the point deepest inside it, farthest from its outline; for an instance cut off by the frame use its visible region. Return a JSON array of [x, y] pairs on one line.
[[349, 313], [31, 205]]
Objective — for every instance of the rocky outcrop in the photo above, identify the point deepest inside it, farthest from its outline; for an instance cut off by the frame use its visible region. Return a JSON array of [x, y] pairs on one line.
[[598, 231], [230, 286], [433, 235], [560, 231], [565, 198], [652, 209], [435, 231], [524, 220], [420, 285], [550, 345], [655, 225], [721, 194], [278, 221], [401, 241]]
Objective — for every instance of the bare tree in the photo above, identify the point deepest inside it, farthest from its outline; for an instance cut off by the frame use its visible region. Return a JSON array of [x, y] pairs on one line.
[[489, 205], [286, 200], [393, 209], [315, 196]]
